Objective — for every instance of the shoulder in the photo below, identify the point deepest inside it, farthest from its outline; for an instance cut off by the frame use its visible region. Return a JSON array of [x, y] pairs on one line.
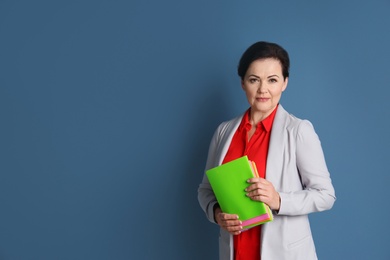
[[226, 126], [293, 123], [226, 130]]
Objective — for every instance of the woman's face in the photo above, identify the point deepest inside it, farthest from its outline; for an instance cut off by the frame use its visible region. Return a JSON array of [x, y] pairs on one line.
[[263, 84]]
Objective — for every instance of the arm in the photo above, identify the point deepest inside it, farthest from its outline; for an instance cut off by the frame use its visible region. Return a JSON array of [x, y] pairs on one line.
[[207, 199], [206, 195], [317, 192]]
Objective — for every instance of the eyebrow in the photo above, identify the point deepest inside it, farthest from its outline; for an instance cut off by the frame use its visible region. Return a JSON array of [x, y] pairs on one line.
[[253, 75]]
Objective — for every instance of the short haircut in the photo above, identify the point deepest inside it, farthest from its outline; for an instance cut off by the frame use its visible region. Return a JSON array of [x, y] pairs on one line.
[[264, 50]]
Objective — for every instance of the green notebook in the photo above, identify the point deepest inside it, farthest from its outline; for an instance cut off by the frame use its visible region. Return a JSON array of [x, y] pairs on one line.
[[229, 182]]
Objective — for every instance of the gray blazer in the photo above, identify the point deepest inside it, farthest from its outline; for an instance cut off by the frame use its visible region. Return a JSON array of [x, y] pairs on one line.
[[297, 169]]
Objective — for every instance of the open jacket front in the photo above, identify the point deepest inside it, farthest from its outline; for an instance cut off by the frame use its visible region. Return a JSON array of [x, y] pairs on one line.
[[297, 169]]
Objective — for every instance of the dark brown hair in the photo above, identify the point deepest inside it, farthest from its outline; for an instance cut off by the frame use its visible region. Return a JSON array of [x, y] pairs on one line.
[[264, 50]]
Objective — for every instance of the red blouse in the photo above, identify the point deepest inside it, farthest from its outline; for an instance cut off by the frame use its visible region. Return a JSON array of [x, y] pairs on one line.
[[247, 244]]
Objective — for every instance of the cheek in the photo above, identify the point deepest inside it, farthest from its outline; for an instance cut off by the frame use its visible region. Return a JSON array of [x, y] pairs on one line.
[[251, 95], [278, 92], [250, 91]]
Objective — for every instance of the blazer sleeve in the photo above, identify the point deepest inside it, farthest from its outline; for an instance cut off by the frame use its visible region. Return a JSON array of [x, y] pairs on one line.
[[206, 197], [317, 193]]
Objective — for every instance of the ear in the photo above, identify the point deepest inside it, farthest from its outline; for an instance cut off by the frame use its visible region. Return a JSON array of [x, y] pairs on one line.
[[285, 84], [242, 84]]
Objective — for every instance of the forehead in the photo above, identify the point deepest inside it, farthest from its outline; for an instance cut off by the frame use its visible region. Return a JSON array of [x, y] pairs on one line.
[[265, 67]]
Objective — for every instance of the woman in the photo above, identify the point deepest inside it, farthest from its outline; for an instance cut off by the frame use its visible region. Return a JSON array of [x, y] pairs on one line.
[[294, 177]]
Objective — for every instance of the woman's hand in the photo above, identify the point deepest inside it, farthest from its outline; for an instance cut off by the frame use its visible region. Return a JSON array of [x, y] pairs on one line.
[[229, 222], [263, 190]]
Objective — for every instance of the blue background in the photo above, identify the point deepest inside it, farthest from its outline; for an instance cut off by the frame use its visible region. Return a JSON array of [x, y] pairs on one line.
[[107, 109]]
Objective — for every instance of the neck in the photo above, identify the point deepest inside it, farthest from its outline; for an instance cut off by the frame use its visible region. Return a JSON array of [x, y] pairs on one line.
[[257, 117]]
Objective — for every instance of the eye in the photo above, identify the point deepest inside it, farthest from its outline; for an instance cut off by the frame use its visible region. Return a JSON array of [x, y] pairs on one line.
[[253, 80], [273, 80]]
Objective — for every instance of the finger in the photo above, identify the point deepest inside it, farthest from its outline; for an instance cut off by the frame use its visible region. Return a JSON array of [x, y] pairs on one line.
[[260, 190], [234, 230], [253, 187], [254, 180], [260, 194], [261, 184], [231, 226], [231, 223], [263, 199], [225, 216]]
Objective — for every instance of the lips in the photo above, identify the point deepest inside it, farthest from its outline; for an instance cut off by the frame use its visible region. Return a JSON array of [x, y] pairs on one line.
[[262, 99]]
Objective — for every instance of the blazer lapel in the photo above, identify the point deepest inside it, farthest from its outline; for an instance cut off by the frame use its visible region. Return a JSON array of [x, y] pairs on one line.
[[276, 147], [227, 137]]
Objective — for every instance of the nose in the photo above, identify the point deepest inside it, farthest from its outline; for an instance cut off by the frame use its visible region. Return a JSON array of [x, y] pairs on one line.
[[262, 88]]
